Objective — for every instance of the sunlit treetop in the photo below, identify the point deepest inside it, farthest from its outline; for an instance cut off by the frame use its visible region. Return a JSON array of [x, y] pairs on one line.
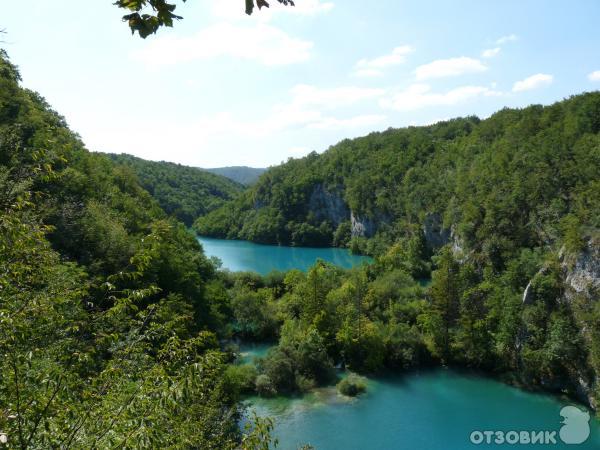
[[147, 16]]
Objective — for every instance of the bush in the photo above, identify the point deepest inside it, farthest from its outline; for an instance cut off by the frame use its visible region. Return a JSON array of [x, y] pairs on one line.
[[304, 384], [279, 368], [264, 386], [241, 378], [352, 385]]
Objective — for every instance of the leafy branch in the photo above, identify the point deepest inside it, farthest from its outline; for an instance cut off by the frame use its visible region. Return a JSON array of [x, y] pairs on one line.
[[146, 17]]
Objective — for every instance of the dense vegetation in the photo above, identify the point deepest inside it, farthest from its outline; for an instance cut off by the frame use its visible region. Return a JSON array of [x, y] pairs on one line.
[[517, 201], [110, 314], [183, 192], [240, 174], [511, 181], [378, 318]]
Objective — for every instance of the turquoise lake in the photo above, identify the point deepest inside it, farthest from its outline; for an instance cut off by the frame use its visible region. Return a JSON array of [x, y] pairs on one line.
[[435, 410], [432, 411], [248, 256]]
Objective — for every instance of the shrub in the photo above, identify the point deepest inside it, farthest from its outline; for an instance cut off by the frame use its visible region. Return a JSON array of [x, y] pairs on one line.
[[304, 384], [352, 385], [264, 386], [241, 378]]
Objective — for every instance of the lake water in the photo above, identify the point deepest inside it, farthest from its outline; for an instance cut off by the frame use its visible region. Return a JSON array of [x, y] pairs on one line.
[[248, 256], [435, 410]]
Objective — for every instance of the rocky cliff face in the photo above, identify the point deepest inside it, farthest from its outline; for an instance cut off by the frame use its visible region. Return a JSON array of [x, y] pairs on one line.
[[435, 234], [362, 226], [581, 275], [328, 204], [582, 271]]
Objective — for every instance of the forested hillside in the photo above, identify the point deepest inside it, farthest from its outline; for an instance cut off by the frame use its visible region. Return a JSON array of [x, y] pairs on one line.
[[502, 213], [513, 180], [110, 313], [183, 192], [240, 174]]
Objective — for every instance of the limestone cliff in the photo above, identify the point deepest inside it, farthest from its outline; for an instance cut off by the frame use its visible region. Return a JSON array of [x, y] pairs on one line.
[[328, 204], [580, 280], [436, 235], [362, 226], [582, 271]]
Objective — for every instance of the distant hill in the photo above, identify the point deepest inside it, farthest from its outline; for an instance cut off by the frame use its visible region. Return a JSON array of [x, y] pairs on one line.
[[184, 192], [240, 174]]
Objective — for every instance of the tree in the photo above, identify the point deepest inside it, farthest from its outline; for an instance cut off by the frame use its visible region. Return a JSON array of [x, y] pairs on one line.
[[148, 16], [445, 301]]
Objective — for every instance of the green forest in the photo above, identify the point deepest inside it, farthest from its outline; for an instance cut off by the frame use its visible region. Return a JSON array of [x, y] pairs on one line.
[[183, 192], [118, 332], [511, 181]]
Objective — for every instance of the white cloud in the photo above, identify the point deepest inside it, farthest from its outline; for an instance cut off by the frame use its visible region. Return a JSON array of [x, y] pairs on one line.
[[427, 122], [298, 152], [374, 67], [307, 108], [262, 43], [506, 39], [449, 68], [234, 9], [533, 82], [420, 96], [594, 76], [332, 123], [490, 52], [368, 73], [305, 95]]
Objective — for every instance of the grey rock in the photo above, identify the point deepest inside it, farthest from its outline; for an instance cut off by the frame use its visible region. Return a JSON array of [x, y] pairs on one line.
[[436, 236], [362, 226], [582, 271], [328, 204]]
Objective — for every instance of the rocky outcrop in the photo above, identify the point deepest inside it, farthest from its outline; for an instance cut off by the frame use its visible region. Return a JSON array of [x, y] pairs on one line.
[[362, 226], [436, 235], [581, 275], [458, 247], [329, 205], [582, 271]]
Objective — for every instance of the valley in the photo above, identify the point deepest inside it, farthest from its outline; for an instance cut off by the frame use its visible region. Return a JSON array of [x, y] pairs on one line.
[[414, 257]]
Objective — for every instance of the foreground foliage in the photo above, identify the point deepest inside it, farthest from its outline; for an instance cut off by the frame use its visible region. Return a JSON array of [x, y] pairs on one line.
[[108, 327]]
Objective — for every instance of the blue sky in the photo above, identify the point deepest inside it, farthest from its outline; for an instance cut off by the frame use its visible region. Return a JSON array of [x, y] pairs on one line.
[[222, 88]]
